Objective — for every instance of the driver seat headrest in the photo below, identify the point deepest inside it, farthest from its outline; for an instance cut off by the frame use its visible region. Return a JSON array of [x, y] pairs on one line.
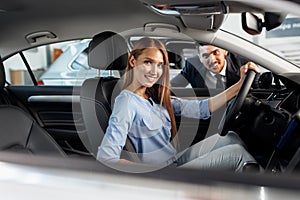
[[108, 51]]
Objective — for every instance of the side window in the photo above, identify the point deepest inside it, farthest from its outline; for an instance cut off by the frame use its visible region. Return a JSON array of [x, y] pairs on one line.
[[211, 60], [16, 72], [81, 61], [54, 64]]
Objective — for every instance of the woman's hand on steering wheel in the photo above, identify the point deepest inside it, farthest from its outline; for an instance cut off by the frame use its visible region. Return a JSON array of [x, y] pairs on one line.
[[247, 74]]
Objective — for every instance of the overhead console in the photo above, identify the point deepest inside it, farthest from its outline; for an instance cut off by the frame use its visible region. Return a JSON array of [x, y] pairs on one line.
[[206, 15]]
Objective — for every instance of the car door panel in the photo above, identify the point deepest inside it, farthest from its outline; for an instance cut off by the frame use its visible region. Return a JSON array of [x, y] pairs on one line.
[[55, 108]]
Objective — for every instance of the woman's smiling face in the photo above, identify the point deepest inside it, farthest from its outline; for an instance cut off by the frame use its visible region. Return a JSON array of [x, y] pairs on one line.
[[147, 67]]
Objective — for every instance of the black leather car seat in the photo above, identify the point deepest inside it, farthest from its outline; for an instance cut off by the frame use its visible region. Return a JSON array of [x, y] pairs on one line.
[[19, 131], [106, 51]]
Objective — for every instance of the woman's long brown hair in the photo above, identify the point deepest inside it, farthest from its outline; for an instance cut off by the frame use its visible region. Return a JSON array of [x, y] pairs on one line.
[[160, 91]]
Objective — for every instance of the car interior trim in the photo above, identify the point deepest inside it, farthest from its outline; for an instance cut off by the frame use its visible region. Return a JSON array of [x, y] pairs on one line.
[[54, 98]]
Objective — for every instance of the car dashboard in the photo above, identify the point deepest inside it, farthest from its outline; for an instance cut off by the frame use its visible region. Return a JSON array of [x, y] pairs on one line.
[[270, 127]]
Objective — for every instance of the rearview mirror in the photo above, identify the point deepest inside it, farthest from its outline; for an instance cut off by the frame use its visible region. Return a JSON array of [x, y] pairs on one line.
[[251, 23]]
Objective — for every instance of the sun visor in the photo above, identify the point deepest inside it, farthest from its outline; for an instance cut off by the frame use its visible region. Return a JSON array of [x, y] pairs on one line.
[[208, 22]]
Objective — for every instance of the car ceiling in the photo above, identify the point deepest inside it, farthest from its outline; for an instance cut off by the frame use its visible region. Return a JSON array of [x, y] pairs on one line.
[[82, 19]]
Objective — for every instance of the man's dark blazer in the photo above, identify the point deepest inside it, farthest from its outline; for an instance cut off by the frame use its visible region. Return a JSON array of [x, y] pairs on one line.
[[194, 72]]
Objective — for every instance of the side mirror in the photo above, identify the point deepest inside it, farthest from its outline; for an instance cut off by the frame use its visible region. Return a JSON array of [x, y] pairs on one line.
[[251, 23]]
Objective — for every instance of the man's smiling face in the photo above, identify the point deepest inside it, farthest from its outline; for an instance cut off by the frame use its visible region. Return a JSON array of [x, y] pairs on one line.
[[212, 57]]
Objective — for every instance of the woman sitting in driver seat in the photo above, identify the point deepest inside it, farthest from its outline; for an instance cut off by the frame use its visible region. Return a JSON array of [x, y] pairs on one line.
[[145, 112]]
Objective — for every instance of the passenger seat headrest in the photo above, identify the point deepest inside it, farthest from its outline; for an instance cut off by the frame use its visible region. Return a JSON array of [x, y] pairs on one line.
[[108, 51]]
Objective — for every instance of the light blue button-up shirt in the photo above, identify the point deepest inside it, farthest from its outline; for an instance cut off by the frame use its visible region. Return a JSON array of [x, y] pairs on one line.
[[148, 126]]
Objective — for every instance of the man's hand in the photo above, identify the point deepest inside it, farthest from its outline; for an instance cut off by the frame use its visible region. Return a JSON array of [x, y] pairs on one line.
[[246, 67]]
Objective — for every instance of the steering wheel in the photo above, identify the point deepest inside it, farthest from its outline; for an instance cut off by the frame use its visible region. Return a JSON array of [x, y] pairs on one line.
[[233, 109]]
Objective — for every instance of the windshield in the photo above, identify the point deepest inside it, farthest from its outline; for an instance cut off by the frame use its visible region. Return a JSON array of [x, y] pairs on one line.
[[283, 40]]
